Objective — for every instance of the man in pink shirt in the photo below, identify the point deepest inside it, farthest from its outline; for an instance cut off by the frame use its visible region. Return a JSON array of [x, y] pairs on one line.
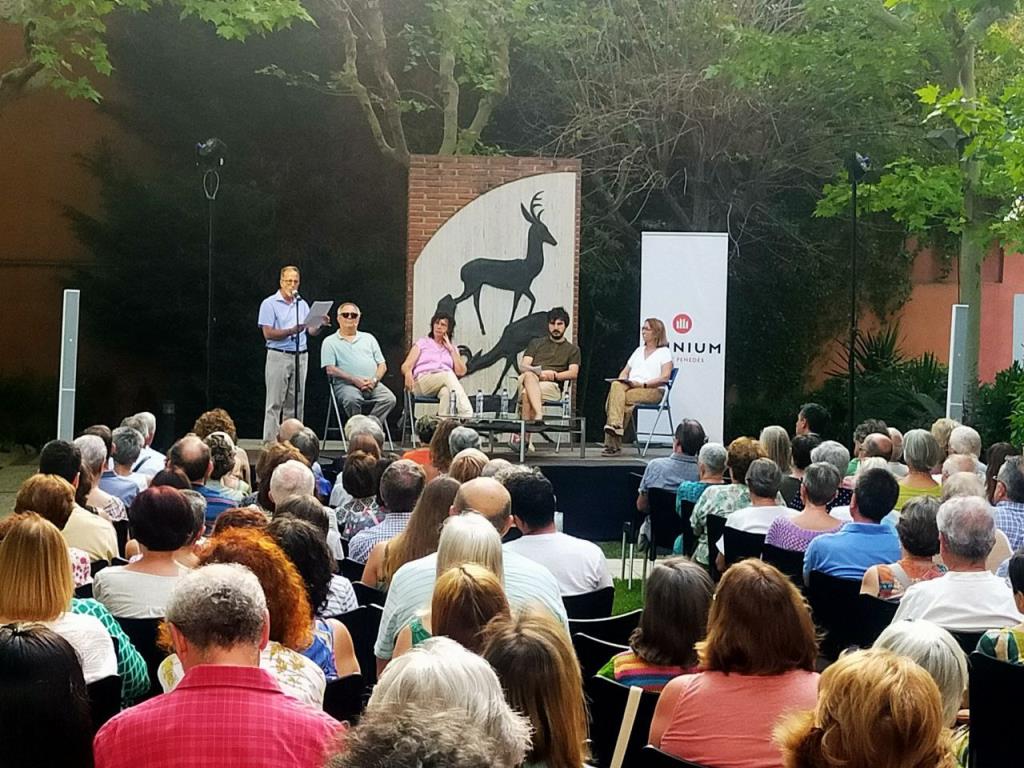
[[226, 710]]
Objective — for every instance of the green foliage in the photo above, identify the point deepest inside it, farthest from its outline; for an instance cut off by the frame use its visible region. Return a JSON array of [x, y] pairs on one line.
[[996, 404], [1017, 415]]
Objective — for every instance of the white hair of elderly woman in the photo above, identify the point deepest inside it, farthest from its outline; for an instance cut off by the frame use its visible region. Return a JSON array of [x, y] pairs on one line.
[[440, 674]]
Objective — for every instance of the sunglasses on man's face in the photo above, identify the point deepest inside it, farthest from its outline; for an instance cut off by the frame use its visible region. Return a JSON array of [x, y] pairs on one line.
[[349, 315]]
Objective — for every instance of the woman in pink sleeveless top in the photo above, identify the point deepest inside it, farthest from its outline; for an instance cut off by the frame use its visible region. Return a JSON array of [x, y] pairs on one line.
[[433, 367]]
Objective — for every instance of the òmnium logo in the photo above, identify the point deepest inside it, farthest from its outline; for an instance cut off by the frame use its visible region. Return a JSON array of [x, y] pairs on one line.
[[682, 323]]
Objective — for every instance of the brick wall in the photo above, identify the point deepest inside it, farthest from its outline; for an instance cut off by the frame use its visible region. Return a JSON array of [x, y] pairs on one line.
[[439, 186]]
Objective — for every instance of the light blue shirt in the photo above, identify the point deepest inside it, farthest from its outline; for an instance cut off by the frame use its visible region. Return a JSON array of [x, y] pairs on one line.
[[669, 472], [849, 552], [359, 357], [277, 313]]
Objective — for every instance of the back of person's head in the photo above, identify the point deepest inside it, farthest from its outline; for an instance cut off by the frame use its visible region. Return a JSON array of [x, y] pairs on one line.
[[145, 422], [489, 498], [44, 707], [469, 538], [93, 452], [290, 479], [50, 496], [102, 431], [440, 451], [161, 519], [361, 424], [897, 443], [1016, 573], [965, 440], [936, 651], [285, 591], [958, 462], [397, 737], [714, 457], [802, 445], [220, 605], [61, 458], [307, 548], [690, 436], [540, 674], [363, 443], [287, 429], [196, 503], [816, 416], [869, 463], [759, 624], [401, 485], [495, 466], [426, 426], [305, 507], [967, 527], [422, 532], [921, 451], [869, 427], [172, 477], [876, 493], [833, 453], [533, 498], [127, 444], [845, 728], [441, 675], [675, 616], [192, 456], [272, 457], [776, 443], [917, 528], [821, 480], [878, 445], [962, 484], [359, 476], [222, 454], [467, 464], [308, 444], [764, 478], [240, 517], [462, 438], [1011, 475], [743, 451], [465, 598], [34, 570], [215, 420], [997, 454]]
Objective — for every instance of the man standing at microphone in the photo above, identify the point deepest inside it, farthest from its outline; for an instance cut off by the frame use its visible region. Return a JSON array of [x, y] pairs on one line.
[[282, 319]]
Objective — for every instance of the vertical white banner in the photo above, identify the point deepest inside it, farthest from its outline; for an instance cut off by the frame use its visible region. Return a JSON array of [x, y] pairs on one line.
[[684, 283]]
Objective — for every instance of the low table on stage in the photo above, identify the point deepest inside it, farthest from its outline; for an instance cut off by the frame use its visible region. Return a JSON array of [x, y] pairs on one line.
[[491, 426]]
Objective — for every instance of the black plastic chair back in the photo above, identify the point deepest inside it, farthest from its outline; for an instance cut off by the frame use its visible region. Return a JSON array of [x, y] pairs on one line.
[[97, 565], [652, 757], [367, 595], [874, 615], [84, 591], [739, 545], [834, 604], [607, 706], [613, 629], [343, 698], [363, 624], [786, 560], [689, 540], [351, 570], [714, 529], [104, 699], [121, 529], [143, 633], [994, 688], [590, 605], [593, 653], [666, 525], [968, 641]]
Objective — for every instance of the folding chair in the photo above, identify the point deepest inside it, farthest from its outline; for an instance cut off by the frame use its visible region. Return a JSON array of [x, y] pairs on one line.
[[834, 607], [739, 545], [590, 605], [652, 757], [607, 707], [666, 525], [661, 407], [612, 629], [786, 560], [332, 406], [593, 654], [994, 686], [343, 698], [560, 417], [409, 414], [363, 624], [367, 595]]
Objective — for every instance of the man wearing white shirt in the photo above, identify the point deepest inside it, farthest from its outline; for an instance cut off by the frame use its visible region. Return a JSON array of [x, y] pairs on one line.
[[579, 566], [968, 598], [764, 478], [412, 586]]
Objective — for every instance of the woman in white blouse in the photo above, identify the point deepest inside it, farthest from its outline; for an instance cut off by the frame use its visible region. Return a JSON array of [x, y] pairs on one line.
[[640, 381]]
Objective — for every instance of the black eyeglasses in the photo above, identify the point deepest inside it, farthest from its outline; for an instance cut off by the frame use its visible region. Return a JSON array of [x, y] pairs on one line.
[[349, 315]]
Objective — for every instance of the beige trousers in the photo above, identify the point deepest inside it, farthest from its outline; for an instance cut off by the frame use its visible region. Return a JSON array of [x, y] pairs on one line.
[[439, 384], [619, 408], [533, 393]]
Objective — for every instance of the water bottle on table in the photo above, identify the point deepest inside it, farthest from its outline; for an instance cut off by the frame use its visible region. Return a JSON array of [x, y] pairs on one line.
[[504, 401], [452, 404], [479, 402]]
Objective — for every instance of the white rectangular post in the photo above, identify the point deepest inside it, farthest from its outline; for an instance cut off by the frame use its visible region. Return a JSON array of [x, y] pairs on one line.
[[68, 366]]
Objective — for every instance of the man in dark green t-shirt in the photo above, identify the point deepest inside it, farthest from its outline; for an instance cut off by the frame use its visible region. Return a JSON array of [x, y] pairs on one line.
[[547, 362]]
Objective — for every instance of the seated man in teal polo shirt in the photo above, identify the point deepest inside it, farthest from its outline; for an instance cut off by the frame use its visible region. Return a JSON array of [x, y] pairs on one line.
[[354, 364], [864, 542]]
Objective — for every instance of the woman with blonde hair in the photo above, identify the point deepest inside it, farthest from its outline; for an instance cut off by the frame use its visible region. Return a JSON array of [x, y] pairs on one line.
[[541, 677], [775, 441], [875, 710], [465, 598], [53, 498], [467, 464], [641, 380], [757, 662], [37, 587], [420, 536]]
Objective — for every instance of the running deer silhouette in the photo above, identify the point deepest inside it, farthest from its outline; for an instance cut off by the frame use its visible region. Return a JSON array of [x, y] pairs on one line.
[[513, 340], [515, 275]]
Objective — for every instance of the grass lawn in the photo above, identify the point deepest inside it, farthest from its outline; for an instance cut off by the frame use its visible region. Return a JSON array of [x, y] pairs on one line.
[[626, 600]]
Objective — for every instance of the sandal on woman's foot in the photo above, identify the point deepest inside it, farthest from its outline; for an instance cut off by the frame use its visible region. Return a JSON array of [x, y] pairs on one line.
[[611, 451]]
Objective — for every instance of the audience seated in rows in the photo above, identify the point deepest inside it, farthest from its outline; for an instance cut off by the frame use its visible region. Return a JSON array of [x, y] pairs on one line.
[[293, 479], [711, 461], [52, 498], [830, 452], [91, 532], [413, 584], [675, 617], [361, 481], [918, 533], [400, 487], [219, 420], [440, 449], [418, 539], [1008, 496], [965, 441], [996, 457], [37, 587], [801, 446], [270, 459], [162, 522], [756, 663], [150, 460], [579, 566], [222, 457], [764, 480], [425, 427], [119, 480], [968, 598], [820, 481], [541, 678], [1006, 643], [776, 443], [192, 456], [218, 623], [308, 444], [922, 454], [861, 433], [680, 466], [845, 728]]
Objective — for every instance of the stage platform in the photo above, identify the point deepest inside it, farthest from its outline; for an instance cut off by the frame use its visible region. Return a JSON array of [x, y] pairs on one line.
[[596, 494]]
